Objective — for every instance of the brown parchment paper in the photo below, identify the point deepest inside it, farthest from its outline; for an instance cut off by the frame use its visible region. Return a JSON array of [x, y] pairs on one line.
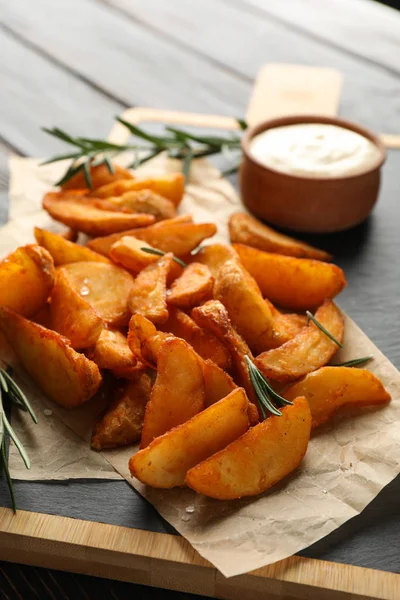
[[348, 462]]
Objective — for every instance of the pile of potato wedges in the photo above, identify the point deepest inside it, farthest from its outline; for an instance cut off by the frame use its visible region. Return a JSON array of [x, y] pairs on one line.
[[164, 323]]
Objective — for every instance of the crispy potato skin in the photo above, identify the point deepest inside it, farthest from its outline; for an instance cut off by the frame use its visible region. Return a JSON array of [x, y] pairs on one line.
[[164, 463], [62, 374], [171, 186], [178, 238], [97, 283], [214, 256], [329, 389], [92, 220], [217, 383], [100, 176], [249, 313], [112, 352], [148, 295], [178, 393], [72, 316], [64, 251], [27, 277], [257, 460], [206, 344], [193, 287], [295, 283], [145, 201], [245, 229], [122, 422], [307, 351], [128, 253]]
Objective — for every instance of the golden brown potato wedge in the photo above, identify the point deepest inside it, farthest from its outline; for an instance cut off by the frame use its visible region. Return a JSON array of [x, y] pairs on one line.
[[27, 277], [245, 229], [178, 393], [122, 422], [171, 186], [64, 375], [145, 201], [307, 351], [329, 389], [105, 287], [112, 352], [72, 316], [128, 252], [148, 296], [249, 313], [100, 175], [203, 341], [70, 234], [92, 220], [217, 383], [178, 238], [103, 244], [214, 256], [193, 287], [165, 462], [258, 459], [288, 324], [295, 283], [64, 251]]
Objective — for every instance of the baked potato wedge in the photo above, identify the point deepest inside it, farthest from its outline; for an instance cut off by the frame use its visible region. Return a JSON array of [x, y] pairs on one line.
[[99, 174], [329, 389], [112, 352], [257, 460], [295, 283], [92, 220], [105, 287], [27, 277], [178, 238], [214, 256], [171, 186], [178, 392], [307, 351], [64, 251], [217, 383], [121, 424], [72, 316], [248, 230], [165, 462], [148, 295], [128, 252], [64, 375], [145, 201], [193, 287]]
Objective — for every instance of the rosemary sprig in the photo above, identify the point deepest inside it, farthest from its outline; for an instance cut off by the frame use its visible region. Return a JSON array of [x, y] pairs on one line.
[[311, 317], [16, 395], [177, 143], [264, 392], [355, 362], [161, 253]]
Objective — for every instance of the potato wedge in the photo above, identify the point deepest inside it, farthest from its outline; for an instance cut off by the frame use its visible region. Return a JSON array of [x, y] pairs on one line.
[[145, 201], [171, 186], [70, 234], [247, 310], [203, 341], [178, 238], [128, 252], [288, 324], [112, 352], [295, 283], [27, 277], [72, 316], [178, 393], [148, 295], [122, 422], [100, 176], [214, 256], [92, 220], [245, 229], [64, 251], [258, 459], [329, 389], [105, 287], [64, 375], [308, 351], [217, 383], [213, 316], [165, 462], [193, 287]]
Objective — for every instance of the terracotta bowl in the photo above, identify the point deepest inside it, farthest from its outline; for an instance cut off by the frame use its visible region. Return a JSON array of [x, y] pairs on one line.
[[309, 204]]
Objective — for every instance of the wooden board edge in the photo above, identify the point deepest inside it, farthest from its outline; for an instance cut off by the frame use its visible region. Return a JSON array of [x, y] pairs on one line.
[[170, 562]]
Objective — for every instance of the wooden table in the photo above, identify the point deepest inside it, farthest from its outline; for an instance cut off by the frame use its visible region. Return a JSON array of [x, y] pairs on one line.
[[75, 64]]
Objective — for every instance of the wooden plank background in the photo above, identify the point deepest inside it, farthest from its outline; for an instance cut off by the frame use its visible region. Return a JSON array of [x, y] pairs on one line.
[[77, 63]]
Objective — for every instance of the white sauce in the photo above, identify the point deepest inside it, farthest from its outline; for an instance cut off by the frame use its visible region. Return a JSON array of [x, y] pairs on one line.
[[314, 150]]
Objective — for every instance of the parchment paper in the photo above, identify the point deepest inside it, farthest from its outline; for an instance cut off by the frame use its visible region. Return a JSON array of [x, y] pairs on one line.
[[348, 461]]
